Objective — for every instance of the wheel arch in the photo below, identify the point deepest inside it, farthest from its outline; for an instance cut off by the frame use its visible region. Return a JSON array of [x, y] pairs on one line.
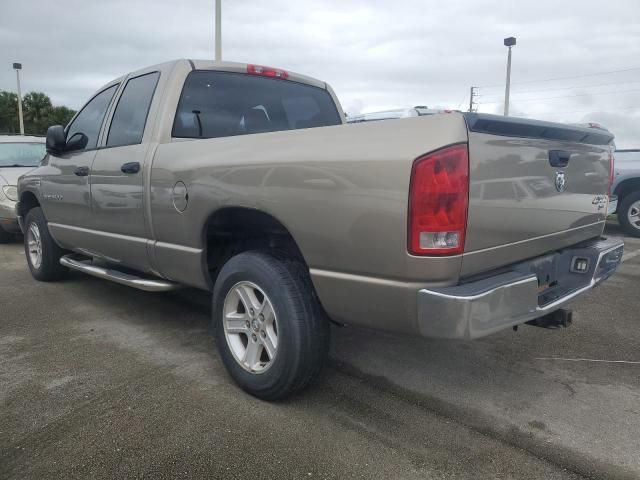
[[626, 187], [28, 201], [232, 230]]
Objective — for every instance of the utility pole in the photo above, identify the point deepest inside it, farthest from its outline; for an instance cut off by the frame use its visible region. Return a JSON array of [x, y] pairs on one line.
[[218, 38], [508, 42], [471, 96], [17, 67]]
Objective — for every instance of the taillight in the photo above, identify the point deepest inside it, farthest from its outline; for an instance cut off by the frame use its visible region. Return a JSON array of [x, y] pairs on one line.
[[612, 164], [438, 201], [267, 71]]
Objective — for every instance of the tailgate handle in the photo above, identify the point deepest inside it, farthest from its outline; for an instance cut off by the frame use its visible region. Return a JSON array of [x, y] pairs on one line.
[[559, 158], [81, 171]]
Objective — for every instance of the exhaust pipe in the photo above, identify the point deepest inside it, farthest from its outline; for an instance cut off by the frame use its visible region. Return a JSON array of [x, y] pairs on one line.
[[559, 319]]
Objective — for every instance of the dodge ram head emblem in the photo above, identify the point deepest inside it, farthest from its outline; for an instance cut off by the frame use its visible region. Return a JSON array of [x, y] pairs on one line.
[[561, 182]]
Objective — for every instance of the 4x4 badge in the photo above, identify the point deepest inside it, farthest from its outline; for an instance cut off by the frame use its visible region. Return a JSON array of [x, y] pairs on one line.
[[561, 182]]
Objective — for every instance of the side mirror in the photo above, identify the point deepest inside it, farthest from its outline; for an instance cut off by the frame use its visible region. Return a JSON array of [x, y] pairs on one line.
[[78, 141], [55, 140]]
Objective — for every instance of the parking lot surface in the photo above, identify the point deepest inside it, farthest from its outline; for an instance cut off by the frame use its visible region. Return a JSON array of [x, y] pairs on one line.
[[101, 381]]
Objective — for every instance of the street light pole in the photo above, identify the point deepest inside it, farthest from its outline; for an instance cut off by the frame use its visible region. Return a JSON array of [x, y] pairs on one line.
[[218, 31], [508, 42], [17, 67]]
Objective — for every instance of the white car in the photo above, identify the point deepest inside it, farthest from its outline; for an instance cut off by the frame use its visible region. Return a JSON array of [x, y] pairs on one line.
[[18, 155], [417, 111]]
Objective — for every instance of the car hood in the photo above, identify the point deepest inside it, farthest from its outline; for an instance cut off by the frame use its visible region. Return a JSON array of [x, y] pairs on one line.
[[10, 175]]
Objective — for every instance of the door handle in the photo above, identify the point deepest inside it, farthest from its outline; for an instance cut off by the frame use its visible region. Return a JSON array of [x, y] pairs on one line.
[[130, 167], [81, 171], [559, 158]]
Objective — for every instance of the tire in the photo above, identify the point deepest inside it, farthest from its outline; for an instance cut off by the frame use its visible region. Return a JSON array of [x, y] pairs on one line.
[[48, 268], [301, 329], [630, 204], [6, 237]]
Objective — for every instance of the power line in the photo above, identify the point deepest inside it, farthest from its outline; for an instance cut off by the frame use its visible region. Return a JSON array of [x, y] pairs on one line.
[[595, 74], [461, 102], [569, 96], [576, 87], [555, 114]]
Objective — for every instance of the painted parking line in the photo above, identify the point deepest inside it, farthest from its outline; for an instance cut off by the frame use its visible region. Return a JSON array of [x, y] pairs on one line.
[[631, 241], [630, 255], [631, 246], [595, 360]]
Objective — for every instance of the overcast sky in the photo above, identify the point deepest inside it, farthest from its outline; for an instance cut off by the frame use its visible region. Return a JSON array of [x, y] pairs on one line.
[[376, 54]]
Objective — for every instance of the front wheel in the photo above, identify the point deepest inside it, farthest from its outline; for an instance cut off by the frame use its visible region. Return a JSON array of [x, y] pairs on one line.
[[629, 214], [270, 330], [42, 252]]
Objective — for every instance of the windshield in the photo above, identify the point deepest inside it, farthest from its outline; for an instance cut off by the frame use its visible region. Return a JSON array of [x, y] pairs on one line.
[[21, 154]]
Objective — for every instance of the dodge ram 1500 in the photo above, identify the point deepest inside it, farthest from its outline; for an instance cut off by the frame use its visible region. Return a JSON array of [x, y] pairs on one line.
[[246, 181]]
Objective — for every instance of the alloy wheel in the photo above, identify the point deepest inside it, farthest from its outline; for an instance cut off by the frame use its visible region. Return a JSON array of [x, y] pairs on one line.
[[250, 327], [34, 242], [633, 214]]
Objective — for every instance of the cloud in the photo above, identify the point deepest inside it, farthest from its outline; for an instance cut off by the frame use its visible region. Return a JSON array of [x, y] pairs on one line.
[[374, 53], [625, 126]]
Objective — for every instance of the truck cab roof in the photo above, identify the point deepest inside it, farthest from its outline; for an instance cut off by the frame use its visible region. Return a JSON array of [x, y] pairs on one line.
[[224, 66]]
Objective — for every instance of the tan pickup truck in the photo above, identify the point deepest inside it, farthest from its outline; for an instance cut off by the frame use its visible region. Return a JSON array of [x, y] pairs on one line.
[[245, 181]]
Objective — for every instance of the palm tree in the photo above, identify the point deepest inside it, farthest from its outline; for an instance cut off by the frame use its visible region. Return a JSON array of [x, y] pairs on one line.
[[60, 116], [8, 112], [37, 107], [39, 114]]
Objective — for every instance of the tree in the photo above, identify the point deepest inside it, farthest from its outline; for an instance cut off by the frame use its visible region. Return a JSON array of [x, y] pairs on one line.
[[8, 112], [60, 116], [36, 107], [39, 113]]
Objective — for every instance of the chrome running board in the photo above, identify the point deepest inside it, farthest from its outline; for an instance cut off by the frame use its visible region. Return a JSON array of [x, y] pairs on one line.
[[86, 265]]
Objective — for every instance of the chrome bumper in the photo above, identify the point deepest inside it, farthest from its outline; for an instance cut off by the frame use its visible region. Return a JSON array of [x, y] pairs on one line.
[[10, 225], [19, 217], [8, 220], [481, 307]]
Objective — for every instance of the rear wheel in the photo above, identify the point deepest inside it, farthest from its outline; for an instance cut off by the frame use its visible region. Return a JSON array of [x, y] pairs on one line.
[[270, 330], [43, 254], [629, 214]]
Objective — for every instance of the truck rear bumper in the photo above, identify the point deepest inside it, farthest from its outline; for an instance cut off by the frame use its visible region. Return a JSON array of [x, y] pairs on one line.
[[518, 294]]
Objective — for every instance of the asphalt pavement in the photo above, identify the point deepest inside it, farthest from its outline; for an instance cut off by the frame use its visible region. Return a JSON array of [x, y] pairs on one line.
[[101, 381]]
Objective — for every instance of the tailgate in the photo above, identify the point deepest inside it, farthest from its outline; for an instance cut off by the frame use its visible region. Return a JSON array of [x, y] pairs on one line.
[[534, 187]]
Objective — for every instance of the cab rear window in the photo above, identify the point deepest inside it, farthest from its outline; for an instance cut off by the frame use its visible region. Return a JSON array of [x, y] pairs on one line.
[[222, 104]]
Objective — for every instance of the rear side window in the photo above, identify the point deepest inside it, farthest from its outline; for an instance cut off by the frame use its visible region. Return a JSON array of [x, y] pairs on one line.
[[130, 117], [89, 120], [222, 104]]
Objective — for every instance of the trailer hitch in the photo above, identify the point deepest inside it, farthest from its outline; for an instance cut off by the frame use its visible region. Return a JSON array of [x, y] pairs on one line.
[[559, 319]]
